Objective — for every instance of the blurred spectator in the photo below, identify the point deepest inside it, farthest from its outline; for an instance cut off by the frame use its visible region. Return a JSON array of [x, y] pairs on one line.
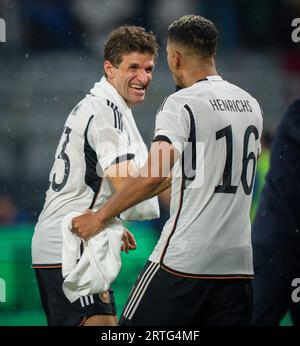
[[276, 229], [10, 214], [8, 211]]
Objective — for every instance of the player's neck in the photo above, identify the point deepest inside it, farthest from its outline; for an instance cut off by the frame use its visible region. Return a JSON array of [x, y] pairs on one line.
[[193, 70], [192, 76]]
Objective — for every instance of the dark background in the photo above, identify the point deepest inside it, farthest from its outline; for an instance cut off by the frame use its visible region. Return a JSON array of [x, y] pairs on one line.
[[53, 55]]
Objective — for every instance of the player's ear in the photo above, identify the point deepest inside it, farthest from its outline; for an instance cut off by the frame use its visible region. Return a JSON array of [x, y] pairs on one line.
[[177, 59], [109, 69]]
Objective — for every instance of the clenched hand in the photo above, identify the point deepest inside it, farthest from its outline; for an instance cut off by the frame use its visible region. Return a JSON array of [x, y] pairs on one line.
[[86, 225]]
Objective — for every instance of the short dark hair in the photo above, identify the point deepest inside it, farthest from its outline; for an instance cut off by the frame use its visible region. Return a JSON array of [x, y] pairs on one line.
[[127, 39], [196, 33]]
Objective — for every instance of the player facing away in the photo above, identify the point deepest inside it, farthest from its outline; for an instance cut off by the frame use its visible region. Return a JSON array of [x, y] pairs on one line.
[[95, 142], [201, 268]]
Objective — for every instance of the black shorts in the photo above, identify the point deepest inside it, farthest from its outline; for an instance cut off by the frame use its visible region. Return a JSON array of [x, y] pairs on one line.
[[59, 311], [160, 298]]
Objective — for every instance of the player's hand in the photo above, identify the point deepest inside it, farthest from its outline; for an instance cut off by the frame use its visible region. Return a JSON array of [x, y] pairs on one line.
[[86, 225], [129, 242]]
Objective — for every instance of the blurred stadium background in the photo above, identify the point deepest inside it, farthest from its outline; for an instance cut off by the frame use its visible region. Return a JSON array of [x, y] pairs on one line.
[[50, 60]]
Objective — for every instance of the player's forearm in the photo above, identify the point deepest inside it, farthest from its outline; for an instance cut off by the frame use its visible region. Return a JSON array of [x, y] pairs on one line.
[[164, 185], [134, 191]]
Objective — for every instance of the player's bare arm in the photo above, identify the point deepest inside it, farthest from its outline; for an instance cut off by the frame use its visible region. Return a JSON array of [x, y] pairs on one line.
[[116, 174], [153, 178]]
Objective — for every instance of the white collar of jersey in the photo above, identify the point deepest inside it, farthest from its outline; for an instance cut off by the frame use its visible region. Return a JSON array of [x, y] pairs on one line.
[[105, 87], [214, 78]]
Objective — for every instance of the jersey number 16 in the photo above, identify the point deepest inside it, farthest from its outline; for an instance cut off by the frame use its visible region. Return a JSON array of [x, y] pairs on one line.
[[226, 186]]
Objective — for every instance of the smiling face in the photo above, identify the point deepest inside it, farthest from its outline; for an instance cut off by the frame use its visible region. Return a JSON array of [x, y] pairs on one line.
[[132, 77]]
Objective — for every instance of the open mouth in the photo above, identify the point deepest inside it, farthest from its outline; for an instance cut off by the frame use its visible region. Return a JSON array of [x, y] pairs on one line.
[[137, 86]]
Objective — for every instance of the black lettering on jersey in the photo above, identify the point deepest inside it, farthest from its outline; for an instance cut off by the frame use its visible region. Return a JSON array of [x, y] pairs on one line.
[[226, 186], [230, 105], [247, 158], [238, 102], [226, 105], [118, 121], [245, 106], [220, 105], [63, 156], [249, 106], [214, 105], [189, 156]]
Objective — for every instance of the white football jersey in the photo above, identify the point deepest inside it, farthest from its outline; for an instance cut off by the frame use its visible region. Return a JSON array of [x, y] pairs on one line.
[[99, 131], [216, 126]]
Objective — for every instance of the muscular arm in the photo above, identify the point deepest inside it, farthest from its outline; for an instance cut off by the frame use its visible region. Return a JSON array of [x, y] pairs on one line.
[[118, 175], [152, 179], [162, 187]]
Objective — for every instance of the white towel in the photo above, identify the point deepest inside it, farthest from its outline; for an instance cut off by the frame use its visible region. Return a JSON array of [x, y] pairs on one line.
[[98, 266]]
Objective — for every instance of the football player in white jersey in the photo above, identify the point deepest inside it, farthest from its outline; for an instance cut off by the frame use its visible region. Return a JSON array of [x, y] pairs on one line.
[[96, 140], [208, 134]]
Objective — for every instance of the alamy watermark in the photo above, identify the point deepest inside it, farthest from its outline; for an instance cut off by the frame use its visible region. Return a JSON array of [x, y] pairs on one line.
[[191, 165], [2, 30], [2, 291], [296, 31], [296, 291]]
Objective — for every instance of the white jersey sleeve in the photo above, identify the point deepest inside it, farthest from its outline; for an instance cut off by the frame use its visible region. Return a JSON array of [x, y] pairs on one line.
[[172, 121], [106, 138]]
